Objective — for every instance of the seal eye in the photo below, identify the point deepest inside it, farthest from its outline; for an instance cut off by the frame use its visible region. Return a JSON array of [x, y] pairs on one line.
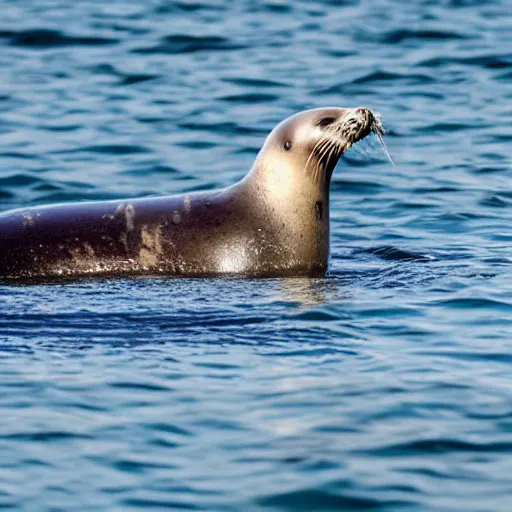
[[287, 145], [326, 121]]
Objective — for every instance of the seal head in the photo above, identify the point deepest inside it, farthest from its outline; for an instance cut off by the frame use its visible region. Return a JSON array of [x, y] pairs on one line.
[[305, 148]]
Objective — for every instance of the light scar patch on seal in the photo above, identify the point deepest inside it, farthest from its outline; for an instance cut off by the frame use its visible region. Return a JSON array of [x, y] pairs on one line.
[[187, 203], [176, 217], [151, 248], [129, 215], [84, 258], [29, 219]]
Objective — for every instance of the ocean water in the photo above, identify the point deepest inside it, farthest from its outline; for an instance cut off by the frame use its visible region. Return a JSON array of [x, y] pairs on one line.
[[385, 386]]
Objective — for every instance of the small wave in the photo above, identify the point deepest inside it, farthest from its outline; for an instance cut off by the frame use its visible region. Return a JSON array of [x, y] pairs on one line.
[[190, 44], [64, 196], [474, 303], [339, 88], [151, 120], [401, 35], [108, 149], [496, 201], [137, 79], [197, 144], [449, 127], [505, 76], [253, 82], [104, 69], [177, 7], [58, 185], [470, 356], [356, 187], [169, 428], [315, 499], [60, 127], [4, 195], [44, 436], [20, 180], [251, 98], [313, 352], [431, 446], [17, 154], [139, 386], [336, 53], [390, 253], [483, 61], [316, 316], [412, 205], [156, 169], [277, 7], [228, 128], [45, 38], [382, 76], [119, 325], [138, 466], [441, 189], [158, 504]]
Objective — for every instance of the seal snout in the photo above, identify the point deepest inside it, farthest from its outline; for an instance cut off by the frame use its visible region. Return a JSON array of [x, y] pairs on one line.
[[356, 124], [341, 133], [360, 122]]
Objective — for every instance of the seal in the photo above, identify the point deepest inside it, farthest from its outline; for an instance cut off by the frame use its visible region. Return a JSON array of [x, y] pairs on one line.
[[274, 222]]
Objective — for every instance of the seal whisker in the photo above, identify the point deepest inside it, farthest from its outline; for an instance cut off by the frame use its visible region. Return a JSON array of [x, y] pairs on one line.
[[315, 149], [312, 152], [321, 145], [325, 156], [336, 152], [319, 162], [327, 149], [380, 136], [378, 129]]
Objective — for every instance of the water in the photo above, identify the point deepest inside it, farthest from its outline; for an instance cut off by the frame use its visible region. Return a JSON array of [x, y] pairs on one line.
[[385, 386]]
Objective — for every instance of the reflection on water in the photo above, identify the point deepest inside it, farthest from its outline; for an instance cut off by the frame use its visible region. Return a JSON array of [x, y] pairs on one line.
[[307, 292]]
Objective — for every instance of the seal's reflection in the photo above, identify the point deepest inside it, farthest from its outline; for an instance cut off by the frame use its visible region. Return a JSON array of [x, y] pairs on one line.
[[308, 292]]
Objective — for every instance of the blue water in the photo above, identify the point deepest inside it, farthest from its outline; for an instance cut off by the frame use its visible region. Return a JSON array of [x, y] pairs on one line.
[[385, 386]]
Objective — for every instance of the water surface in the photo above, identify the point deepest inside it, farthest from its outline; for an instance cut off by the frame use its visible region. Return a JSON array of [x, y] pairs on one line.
[[386, 385]]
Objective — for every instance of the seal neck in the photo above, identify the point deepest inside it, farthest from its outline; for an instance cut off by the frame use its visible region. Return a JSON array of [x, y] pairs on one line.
[[294, 209]]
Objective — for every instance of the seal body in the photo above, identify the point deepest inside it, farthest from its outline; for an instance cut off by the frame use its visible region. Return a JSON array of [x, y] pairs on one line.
[[273, 222], [205, 234]]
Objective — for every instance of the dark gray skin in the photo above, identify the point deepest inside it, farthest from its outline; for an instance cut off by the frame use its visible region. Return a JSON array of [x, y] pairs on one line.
[[274, 222]]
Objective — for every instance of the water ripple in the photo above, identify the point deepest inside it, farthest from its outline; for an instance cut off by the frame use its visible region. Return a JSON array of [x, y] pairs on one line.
[[401, 35], [385, 385]]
